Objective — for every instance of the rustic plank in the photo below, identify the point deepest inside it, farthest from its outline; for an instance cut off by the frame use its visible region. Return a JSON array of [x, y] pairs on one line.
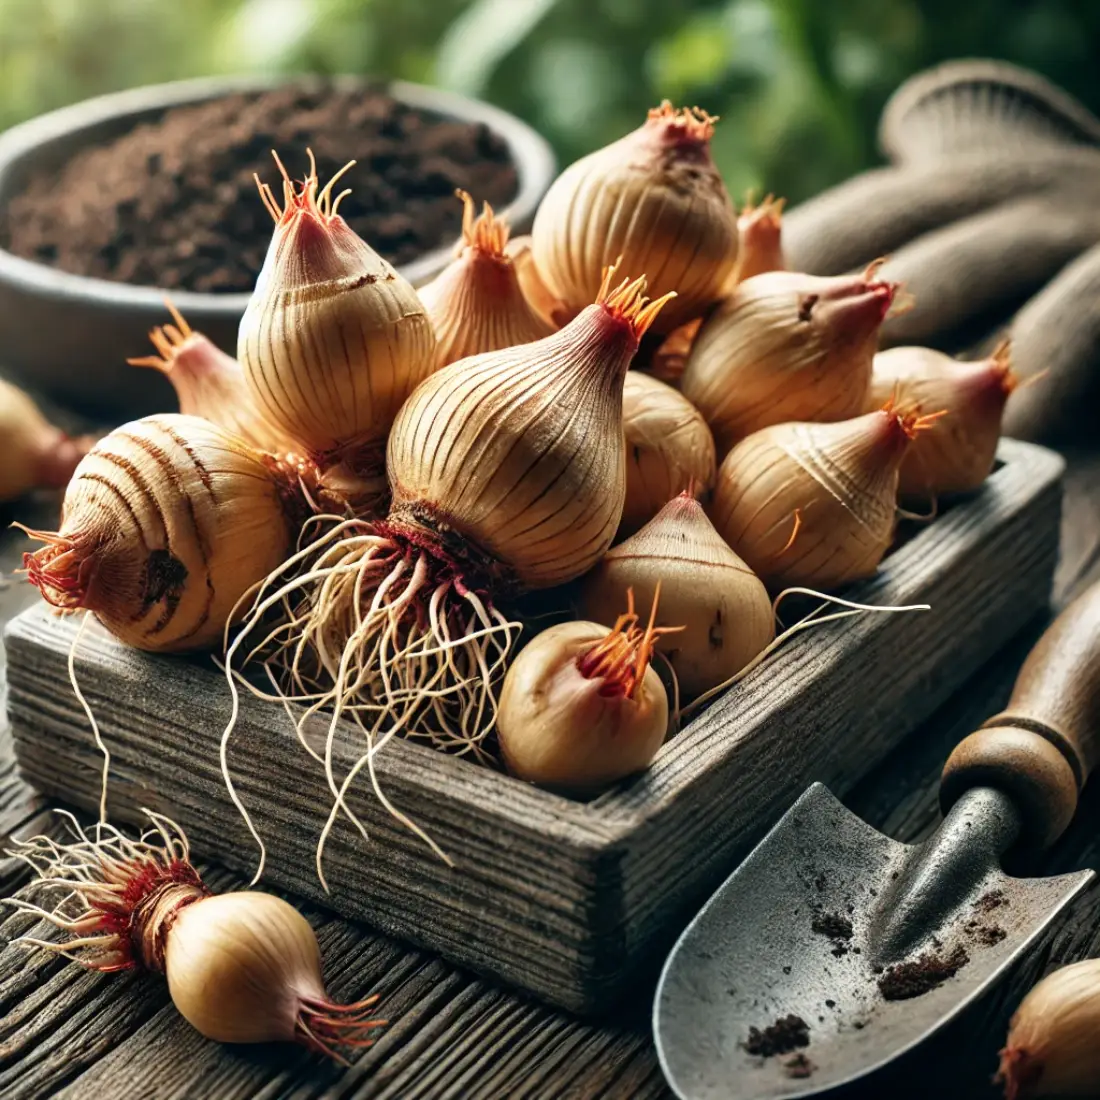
[[164, 1058], [563, 898]]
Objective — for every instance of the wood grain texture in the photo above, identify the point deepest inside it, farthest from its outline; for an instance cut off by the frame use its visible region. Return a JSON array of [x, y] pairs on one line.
[[569, 900], [505, 1046]]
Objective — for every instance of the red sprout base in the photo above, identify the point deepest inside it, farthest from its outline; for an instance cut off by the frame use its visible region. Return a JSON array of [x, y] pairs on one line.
[[1019, 1072], [324, 1026], [305, 198], [61, 570], [120, 896], [620, 660], [686, 126]]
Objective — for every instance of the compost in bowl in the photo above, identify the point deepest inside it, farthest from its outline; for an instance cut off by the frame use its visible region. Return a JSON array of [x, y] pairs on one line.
[[105, 205]]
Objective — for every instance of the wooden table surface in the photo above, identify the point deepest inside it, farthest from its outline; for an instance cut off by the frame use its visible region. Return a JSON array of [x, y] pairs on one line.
[[67, 1032]]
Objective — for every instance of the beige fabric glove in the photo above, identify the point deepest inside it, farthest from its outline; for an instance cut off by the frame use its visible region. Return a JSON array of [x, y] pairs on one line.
[[990, 215]]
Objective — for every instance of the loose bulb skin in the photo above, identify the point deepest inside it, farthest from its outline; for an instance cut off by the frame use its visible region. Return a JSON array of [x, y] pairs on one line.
[[333, 339], [562, 729], [653, 200], [958, 454], [669, 448], [723, 607], [786, 347], [165, 524], [476, 304], [814, 504]]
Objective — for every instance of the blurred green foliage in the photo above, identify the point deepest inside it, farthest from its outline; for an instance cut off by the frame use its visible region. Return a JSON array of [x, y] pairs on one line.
[[799, 83]]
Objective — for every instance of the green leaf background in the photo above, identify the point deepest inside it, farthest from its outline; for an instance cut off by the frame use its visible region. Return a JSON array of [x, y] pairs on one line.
[[799, 83]]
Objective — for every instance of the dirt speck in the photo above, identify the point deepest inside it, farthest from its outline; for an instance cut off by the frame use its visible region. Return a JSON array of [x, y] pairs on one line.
[[987, 903], [838, 928], [913, 979], [832, 925], [799, 1067], [787, 1033], [986, 935]]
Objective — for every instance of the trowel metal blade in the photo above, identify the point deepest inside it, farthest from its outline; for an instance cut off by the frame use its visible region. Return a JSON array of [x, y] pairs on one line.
[[751, 956]]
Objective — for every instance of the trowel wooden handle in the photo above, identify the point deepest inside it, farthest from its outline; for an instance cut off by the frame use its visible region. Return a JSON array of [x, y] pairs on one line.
[[1042, 746]]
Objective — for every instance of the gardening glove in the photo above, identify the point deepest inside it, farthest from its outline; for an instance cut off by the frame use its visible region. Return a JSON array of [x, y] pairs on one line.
[[990, 215]]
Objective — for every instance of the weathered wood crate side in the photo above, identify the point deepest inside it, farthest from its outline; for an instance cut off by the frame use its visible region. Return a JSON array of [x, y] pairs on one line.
[[527, 863], [559, 897]]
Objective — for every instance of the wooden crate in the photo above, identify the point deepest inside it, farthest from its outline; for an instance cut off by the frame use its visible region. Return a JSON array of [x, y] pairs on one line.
[[570, 900]]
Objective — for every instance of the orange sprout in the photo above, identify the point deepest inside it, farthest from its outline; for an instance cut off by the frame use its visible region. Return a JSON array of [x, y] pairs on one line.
[[628, 302], [304, 198], [621, 659], [692, 123], [484, 232]]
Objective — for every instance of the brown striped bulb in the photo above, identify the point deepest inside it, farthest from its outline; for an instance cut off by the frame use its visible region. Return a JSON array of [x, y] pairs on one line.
[[654, 200], [333, 339], [166, 523], [815, 504], [520, 452], [786, 347], [476, 303], [669, 448]]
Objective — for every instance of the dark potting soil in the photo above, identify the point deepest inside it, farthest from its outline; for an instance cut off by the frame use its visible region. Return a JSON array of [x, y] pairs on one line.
[[913, 979], [173, 203], [786, 1034]]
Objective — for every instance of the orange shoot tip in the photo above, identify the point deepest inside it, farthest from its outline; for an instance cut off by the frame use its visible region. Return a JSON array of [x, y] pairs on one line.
[[692, 123], [486, 233], [910, 419], [629, 303]]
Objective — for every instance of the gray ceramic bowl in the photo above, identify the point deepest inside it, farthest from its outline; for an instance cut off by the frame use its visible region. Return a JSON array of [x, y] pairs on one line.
[[69, 336]]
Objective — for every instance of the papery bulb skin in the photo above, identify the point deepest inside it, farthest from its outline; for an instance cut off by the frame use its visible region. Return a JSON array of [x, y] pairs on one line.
[[334, 339], [35, 454], [760, 232], [653, 198], [519, 452], [669, 448], [166, 523], [260, 956], [958, 454], [669, 359], [539, 296], [562, 726], [723, 607], [1051, 1048], [786, 347], [476, 304], [814, 504], [210, 384]]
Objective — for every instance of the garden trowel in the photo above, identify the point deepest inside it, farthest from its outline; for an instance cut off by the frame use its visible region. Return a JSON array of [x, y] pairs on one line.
[[833, 949]]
